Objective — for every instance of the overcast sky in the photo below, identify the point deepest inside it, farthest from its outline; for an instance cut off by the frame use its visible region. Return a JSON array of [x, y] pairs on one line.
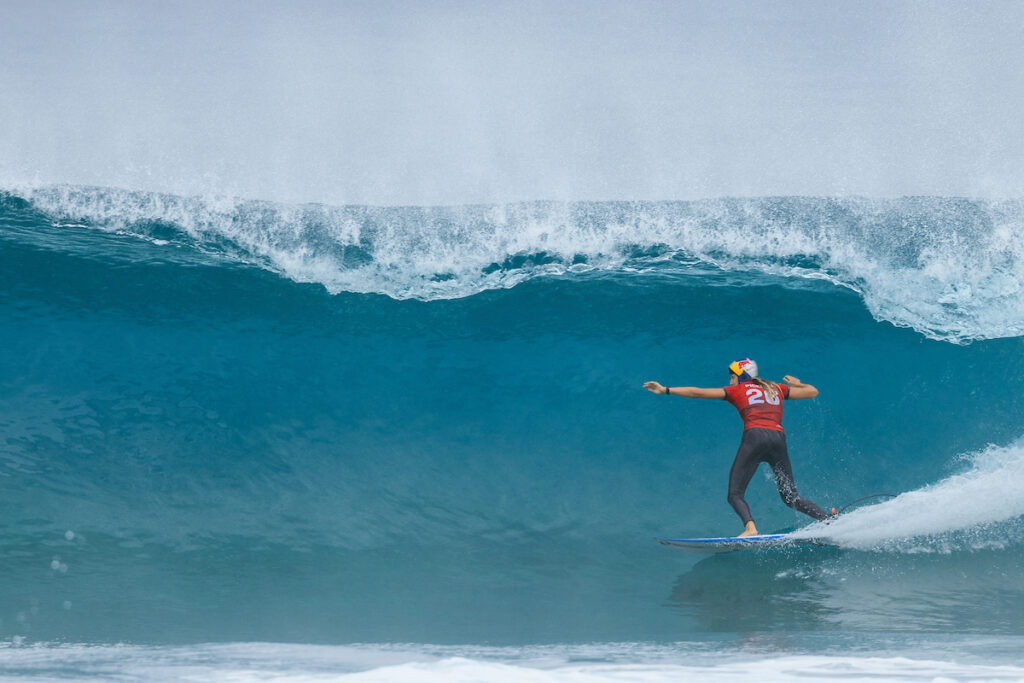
[[459, 102]]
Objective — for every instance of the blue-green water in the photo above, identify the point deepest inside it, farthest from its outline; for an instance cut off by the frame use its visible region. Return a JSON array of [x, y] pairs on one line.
[[227, 421]]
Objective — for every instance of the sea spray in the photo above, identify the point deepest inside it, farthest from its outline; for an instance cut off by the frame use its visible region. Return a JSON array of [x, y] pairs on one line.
[[978, 508]]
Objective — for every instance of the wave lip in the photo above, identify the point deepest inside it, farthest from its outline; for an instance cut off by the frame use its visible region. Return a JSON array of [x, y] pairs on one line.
[[952, 269]]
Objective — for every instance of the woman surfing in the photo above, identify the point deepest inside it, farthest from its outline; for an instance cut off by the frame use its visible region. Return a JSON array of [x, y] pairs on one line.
[[759, 403]]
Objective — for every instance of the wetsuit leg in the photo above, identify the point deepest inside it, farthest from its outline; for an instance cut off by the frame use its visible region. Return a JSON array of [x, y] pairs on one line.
[[778, 459], [743, 468]]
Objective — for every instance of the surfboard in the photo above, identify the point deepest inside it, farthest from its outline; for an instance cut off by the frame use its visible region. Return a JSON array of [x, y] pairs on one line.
[[729, 544]]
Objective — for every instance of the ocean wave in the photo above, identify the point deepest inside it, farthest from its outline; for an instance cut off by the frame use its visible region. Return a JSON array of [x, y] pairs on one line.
[[952, 269]]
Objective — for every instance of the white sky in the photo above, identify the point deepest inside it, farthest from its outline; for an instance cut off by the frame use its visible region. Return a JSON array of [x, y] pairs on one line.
[[457, 102]]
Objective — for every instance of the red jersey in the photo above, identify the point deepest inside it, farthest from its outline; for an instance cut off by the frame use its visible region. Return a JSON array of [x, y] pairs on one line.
[[757, 408]]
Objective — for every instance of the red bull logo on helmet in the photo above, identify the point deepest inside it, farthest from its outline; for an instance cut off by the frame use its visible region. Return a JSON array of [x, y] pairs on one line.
[[744, 368]]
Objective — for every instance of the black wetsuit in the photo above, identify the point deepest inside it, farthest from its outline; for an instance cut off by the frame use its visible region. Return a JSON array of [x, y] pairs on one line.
[[766, 445]]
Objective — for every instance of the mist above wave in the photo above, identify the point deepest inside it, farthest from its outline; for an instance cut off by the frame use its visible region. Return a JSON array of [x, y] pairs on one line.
[[952, 269]]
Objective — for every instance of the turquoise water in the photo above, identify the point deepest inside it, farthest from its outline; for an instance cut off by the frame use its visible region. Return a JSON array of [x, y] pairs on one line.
[[229, 421]]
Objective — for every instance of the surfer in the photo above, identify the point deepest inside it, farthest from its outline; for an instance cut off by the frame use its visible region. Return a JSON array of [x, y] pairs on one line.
[[759, 403]]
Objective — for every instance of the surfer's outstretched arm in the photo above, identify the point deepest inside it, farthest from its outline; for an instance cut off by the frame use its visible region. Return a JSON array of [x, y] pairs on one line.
[[798, 390], [688, 392]]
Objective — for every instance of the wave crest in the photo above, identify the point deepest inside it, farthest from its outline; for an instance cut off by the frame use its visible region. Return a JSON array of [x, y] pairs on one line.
[[952, 269]]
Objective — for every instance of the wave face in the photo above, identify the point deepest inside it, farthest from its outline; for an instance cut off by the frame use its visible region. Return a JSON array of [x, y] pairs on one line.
[[240, 421]]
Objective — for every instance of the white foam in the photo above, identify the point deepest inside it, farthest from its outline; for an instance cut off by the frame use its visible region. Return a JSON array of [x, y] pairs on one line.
[[427, 664], [798, 668], [979, 508], [951, 269]]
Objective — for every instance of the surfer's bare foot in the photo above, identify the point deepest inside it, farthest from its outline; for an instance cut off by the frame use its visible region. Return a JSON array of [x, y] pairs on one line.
[[751, 530]]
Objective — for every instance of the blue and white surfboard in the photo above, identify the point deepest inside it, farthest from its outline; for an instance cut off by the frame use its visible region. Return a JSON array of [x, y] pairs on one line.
[[728, 544]]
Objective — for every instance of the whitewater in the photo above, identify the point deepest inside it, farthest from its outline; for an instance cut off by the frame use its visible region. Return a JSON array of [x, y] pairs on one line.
[[243, 438]]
